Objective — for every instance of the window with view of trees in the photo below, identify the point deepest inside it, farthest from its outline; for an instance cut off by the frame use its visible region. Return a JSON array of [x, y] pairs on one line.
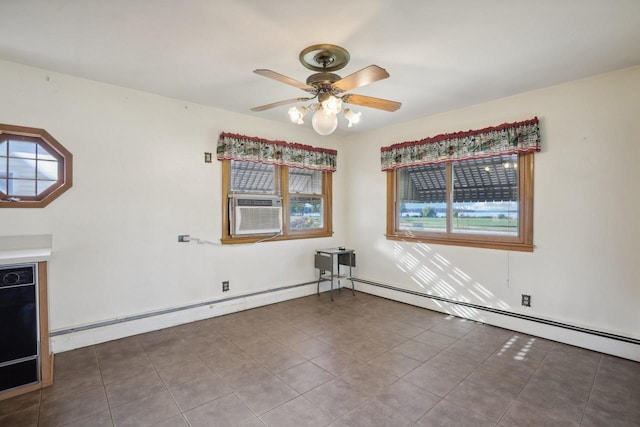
[[305, 205], [473, 188], [306, 202], [34, 168], [297, 175]]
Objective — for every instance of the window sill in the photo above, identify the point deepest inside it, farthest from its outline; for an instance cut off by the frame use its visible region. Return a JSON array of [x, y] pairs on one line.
[[484, 244], [228, 240]]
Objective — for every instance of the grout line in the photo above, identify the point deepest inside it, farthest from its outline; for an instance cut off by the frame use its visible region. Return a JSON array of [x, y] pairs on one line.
[[39, 407], [593, 383], [166, 386], [104, 386]]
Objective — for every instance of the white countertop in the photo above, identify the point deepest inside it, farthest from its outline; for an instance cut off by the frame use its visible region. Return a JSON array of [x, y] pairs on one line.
[[22, 249], [21, 256]]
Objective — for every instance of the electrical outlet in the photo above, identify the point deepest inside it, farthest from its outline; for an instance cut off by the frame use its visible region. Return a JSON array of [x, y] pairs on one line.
[[225, 286], [183, 238], [526, 300]]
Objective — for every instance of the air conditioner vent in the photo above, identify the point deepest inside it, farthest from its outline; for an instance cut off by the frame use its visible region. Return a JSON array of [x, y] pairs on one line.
[[255, 214]]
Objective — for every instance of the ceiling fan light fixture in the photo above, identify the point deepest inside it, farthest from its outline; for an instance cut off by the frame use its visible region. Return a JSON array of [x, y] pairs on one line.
[[329, 89], [324, 123], [297, 113], [354, 118], [331, 104]]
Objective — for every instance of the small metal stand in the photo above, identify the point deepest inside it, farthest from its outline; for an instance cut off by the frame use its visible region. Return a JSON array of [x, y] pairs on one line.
[[325, 263]]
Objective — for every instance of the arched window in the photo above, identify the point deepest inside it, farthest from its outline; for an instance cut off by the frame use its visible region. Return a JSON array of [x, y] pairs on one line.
[[35, 169]]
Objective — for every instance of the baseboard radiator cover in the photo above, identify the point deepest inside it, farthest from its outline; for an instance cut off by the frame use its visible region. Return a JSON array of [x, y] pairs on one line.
[[601, 341], [94, 333]]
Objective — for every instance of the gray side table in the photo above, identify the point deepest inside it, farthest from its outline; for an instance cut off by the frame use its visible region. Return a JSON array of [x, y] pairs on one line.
[[328, 262]]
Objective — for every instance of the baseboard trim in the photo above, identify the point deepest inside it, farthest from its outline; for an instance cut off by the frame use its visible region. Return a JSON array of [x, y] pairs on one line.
[[601, 341], [506, 313], [95, 333], [170, 310], [84, 335]]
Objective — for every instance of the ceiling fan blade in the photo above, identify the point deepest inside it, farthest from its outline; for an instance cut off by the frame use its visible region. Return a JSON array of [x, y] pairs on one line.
[[367, 75], [284, 79], [371, 102], [279, 103]]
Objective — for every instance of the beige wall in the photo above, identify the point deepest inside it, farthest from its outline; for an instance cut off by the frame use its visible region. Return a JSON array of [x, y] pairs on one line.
[[140, 180], [585, 267]]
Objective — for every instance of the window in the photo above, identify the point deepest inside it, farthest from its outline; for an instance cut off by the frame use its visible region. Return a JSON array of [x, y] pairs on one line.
[[35, 169], [274, 190], [306, 202], [481, 202]]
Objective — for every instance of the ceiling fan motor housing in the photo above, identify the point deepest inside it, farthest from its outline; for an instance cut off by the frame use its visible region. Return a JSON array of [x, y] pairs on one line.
[[323, 81]]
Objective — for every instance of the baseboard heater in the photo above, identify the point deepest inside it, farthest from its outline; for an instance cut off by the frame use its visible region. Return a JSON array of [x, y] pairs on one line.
[[171, 310], [368, 282], [505, 313]]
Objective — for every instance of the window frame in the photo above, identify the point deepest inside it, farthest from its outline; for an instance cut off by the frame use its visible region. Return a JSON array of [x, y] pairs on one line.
[[287, 233], [287, 220], [522, 242], [56, 149]]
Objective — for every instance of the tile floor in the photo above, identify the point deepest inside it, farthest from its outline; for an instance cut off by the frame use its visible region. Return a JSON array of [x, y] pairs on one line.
[[359, 361]]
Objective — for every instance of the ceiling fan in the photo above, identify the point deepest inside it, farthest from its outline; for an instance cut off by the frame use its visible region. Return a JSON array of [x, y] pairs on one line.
[[329, 88]]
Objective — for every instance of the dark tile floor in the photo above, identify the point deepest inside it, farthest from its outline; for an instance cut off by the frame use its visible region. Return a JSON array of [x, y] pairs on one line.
[[358, 361]]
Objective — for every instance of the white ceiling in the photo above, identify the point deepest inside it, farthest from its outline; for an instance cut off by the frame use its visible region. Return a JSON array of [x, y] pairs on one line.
[[441, 55]]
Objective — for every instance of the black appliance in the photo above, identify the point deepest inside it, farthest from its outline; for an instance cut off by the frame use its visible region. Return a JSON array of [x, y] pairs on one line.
[[19, 362]]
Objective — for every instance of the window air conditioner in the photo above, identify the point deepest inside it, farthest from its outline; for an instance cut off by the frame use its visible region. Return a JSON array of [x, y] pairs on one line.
[[255, 214]]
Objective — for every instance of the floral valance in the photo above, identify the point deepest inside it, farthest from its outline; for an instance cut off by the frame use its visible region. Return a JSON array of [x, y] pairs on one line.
[[508, 138], [240, 147]]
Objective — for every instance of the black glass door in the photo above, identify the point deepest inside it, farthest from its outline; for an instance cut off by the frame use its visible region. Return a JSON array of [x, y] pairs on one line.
[[18, 327], [18, 323]]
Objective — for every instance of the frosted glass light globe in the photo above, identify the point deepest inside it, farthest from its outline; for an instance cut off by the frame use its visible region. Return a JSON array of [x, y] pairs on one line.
[[323, 123]]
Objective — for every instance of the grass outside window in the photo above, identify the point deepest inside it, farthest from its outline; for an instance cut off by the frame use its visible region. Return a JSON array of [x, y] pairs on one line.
[[485, 203]]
